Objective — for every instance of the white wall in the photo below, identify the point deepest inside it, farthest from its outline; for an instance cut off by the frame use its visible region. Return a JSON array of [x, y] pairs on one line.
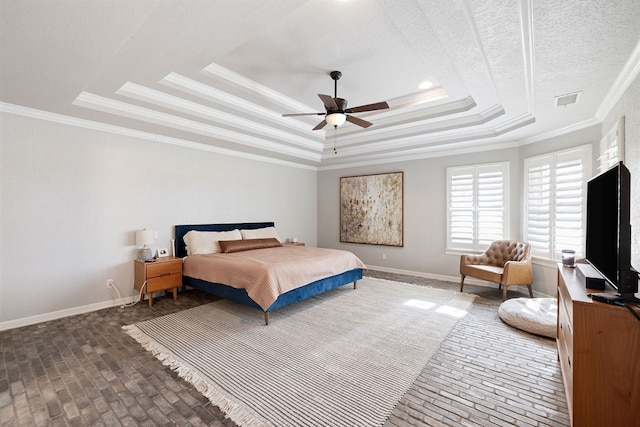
[[72, 198]]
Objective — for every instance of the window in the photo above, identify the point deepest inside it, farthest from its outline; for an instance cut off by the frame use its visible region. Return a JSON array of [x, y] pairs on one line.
[[612, 146], [555, 198], [477, 202]]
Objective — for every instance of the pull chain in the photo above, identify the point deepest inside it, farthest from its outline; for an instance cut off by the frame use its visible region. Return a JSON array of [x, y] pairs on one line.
[[335, 139]]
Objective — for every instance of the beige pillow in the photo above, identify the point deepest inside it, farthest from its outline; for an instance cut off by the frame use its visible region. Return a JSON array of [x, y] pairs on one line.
[[206, 242], [229, 246], [261, 233]]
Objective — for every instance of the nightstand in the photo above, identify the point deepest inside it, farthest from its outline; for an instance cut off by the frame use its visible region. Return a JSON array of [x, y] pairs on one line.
[[293, 244], [163, 274]]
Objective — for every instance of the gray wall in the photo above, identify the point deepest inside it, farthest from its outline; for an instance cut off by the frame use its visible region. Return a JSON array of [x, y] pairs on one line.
[[425, 219], [72, 198], [425, 215]]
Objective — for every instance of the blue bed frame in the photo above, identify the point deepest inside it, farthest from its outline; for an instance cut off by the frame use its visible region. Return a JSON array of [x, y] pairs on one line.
[[240, 296]]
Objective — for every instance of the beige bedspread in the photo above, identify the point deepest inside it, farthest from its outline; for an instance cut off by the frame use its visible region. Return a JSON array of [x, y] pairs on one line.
[[267, 273]]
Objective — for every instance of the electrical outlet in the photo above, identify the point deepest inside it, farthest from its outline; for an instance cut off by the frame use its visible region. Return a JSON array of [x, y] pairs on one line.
[[110, 283], [384, 257]]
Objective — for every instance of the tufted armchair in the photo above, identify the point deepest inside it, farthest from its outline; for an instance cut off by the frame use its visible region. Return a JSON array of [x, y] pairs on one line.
[[506, 262]]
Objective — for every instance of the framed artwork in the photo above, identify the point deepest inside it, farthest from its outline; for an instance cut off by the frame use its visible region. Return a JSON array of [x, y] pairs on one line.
[[163, 252], [371, 209]]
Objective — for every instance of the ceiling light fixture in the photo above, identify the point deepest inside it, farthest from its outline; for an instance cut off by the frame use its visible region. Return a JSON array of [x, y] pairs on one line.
[[425, 85], [336, 119]]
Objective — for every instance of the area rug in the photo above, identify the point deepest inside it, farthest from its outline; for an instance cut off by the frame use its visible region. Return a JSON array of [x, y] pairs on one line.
[[344, 358]]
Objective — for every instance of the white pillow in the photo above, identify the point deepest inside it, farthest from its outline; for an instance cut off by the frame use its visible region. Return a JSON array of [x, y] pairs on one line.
[[206, 242], [261, 233]]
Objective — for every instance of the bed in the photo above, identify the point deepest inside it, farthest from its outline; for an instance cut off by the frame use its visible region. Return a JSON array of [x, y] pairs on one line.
[[324, 273]]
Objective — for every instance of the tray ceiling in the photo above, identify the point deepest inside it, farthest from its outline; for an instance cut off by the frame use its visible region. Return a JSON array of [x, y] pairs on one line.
[[218, 75]]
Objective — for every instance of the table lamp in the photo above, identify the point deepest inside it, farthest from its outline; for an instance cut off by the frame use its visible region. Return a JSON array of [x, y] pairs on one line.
[[144, 238]]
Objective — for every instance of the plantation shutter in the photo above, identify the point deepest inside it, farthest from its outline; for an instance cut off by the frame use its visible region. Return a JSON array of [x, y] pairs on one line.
[[477, 206], [570, 202], [555, 187], [461, 224], [538, 205], [612, 146]]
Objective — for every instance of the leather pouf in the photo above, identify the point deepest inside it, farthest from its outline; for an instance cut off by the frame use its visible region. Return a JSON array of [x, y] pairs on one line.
[[538, 316]]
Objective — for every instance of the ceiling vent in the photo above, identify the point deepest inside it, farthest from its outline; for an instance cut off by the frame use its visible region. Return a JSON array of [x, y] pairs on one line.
[[568, 99]]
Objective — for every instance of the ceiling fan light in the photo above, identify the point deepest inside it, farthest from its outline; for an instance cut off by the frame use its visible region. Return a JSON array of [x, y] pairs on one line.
[[336, 119]]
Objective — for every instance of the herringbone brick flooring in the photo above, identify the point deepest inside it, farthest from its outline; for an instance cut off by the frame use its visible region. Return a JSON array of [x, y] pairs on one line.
[[83, 370]]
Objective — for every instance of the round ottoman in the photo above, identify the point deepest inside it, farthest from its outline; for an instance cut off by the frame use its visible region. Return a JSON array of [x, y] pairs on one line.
[[534, 315]]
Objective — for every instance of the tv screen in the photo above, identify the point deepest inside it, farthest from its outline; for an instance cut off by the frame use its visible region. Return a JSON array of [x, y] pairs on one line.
[[608, 247]]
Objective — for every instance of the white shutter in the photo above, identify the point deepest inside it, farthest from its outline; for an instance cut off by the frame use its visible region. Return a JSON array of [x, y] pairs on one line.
[[477, 206], [461, 226], [555, 198], [490, 205], [612, 146], [570, 199], [538, 205]]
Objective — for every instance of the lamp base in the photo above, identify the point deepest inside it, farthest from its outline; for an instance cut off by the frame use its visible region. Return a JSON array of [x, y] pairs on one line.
[[145, 254]]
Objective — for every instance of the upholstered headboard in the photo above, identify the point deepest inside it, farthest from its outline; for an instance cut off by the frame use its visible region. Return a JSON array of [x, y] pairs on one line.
[[181, 230]]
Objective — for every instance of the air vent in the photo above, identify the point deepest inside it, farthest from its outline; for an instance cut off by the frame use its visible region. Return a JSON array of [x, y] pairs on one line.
[[568, 99]]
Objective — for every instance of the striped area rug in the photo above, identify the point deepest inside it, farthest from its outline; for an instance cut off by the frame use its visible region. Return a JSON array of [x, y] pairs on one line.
[[344, 358]]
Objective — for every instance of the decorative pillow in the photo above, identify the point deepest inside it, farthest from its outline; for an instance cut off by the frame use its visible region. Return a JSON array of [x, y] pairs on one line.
[[229, 246], [261, 233], [206, 242]]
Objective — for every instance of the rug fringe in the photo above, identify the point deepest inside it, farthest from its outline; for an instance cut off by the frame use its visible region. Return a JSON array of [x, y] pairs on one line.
[[239, 414]]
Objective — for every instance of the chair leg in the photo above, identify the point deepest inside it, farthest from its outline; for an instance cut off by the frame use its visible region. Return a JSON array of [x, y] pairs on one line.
[[504, 293], [461, 283], [530, 291]]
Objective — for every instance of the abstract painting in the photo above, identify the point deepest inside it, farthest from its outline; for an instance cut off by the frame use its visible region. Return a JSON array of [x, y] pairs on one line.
[[371, 209]]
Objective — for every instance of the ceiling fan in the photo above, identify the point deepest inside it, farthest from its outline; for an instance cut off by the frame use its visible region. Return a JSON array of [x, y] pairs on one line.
[[336, 109]]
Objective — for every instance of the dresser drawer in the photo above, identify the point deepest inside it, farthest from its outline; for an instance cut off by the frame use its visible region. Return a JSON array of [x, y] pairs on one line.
[[168, 281], [162, 275], [565, 333], [160, 269]]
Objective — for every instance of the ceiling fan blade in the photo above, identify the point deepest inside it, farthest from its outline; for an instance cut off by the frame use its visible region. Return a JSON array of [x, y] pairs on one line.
[[303, 114], [368, 107], [320, 125], [359, 121], [329, 102]]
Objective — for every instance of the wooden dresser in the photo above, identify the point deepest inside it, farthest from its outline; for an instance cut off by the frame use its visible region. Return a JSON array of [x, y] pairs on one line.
[[599, 354]]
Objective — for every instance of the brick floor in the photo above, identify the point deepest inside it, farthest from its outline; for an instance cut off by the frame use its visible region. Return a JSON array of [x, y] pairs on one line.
[[83, 370]]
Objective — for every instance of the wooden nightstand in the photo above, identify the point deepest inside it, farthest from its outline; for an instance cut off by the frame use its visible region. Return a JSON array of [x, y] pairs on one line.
[[161, 275], [293, 244]]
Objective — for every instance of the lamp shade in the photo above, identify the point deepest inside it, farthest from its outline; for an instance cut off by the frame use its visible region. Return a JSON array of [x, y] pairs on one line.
[[144, 237], [336, 119]]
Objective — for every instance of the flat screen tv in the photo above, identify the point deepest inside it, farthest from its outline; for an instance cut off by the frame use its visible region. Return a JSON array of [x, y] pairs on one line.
[[608, 247]]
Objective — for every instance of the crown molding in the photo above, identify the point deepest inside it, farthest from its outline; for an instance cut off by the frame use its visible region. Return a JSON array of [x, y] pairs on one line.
[[161, 99], [100, 103], [223, 74], [627, 75], [219, 97], [559, 132], [19, 110]]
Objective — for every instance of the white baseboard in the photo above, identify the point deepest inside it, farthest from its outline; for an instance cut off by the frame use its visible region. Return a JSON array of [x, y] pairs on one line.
[[32, 320], [454, 279]]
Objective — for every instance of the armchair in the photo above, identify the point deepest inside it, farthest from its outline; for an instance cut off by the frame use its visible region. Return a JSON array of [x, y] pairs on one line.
[[505, 262]]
